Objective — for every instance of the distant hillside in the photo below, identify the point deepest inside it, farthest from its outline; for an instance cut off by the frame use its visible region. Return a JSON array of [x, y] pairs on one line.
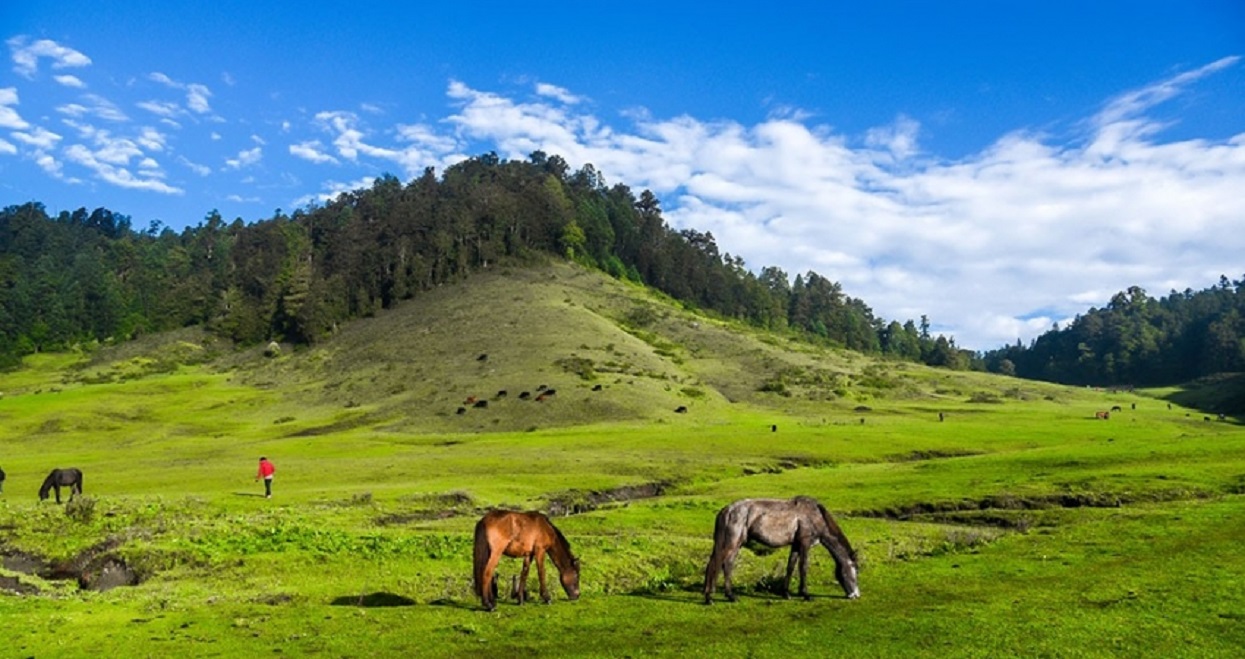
[[81, 277], [611, 350]]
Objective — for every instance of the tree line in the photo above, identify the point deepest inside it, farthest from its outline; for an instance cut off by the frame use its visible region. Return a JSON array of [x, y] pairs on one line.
[[1139, 340], [92, 276]]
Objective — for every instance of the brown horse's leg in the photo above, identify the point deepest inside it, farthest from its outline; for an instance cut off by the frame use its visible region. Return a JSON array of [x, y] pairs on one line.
[[527, 564], [540, 572], [488, 588]]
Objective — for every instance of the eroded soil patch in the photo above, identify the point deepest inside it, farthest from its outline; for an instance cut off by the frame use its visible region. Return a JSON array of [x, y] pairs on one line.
[[94, 568], [575, 502]]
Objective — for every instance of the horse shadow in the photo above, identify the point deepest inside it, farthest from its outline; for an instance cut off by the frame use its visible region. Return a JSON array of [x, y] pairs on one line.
[[378, 600], [248, 494]]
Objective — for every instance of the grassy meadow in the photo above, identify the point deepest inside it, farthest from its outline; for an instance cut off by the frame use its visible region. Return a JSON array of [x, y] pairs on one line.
[[1018, 525]]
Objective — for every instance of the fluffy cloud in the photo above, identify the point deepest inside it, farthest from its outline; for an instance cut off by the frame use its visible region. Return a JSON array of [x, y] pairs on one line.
[[311, 151], [331, 190], [110, 164], [26, 56], [70, 81], [197, 95], [9, 118], [245, 158], [424, 147]]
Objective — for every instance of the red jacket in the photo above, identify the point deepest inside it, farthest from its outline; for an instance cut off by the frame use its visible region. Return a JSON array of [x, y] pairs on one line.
[[266, 469]]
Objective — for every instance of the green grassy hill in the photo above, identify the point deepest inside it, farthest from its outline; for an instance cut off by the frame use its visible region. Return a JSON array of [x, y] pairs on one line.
[[994, 516]]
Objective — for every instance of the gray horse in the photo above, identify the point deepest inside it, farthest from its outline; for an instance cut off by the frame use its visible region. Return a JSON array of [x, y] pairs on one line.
[[801, 522]]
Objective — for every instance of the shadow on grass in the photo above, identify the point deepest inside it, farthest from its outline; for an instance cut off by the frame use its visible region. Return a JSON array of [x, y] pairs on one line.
[[248, 494], [455, 604], [373, 600]]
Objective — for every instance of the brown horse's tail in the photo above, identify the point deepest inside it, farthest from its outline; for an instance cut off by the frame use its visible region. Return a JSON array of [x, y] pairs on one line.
[[480, 556]]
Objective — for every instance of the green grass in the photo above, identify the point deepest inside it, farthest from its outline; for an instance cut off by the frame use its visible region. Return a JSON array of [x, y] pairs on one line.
[[1022, 526]]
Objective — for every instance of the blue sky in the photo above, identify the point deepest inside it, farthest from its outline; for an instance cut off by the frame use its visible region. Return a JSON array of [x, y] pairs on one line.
[[999, 166]]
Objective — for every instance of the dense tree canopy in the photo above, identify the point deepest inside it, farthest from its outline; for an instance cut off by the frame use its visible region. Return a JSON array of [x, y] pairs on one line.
[[90, 276], [1138, 340]]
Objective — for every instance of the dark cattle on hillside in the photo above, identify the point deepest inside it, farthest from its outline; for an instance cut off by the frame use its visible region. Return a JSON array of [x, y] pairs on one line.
[[596, 387], [550, 392], [501, 394], [681, 409], [481, 403], [540, 388], [461, 410], [482, 357], [524, 395]]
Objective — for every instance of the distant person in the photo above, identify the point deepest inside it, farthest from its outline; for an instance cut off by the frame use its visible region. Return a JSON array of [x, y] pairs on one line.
[[266, 470]]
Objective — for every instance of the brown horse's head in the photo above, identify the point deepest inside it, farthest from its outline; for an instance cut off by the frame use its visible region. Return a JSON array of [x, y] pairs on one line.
[[569, 576]]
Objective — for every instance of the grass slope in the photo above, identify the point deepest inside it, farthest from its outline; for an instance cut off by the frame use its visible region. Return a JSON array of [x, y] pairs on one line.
[[1019, 525]]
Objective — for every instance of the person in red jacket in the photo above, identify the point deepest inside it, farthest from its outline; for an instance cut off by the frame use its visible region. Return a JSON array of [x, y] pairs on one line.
[[266, 470]]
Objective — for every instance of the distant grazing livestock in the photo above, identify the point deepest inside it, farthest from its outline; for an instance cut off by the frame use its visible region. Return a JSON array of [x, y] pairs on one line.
[[481, 403], [71, 478], [1102, 414], [540, 388], [941, 417], [524, 395], [470, 400], [1116, 408], [483, 357], [1222, 417], [550, 392], [1, 480], [773, 428], [461, 410], [540, 398], [501, 394], [682, 409], [1205, 418], [1134, 406], [596, 387]]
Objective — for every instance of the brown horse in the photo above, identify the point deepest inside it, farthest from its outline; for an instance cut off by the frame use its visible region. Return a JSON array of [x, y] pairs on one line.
[[801, 522], [521, 535]]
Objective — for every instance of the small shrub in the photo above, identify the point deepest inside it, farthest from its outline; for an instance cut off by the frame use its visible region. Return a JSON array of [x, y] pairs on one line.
[[81, 509]]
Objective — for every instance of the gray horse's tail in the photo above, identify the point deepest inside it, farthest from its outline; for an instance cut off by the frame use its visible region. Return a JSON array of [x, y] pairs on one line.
[[721, 539]]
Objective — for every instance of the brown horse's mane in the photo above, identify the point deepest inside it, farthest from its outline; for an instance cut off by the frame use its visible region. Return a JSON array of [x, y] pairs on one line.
[[562, 549]]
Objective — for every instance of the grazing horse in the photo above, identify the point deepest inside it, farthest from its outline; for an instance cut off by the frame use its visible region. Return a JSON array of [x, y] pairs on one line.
[[1, 480], [1102, 414], [528, 536], [71, 478], [801, 522]]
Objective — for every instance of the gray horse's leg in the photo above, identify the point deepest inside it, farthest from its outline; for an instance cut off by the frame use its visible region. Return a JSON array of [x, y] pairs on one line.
[[804, 552], [786, 584]]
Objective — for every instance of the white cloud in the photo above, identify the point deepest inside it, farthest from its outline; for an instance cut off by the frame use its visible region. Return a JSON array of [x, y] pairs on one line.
[[161, 108], [257, 139], [331, 190], [9, 118], [70, 81], [245, 158], [201, 170], [110, 169], [311, 151], [197, 95], [352, 142], [26, 57], [7, 148], [558, 93], [238, 199], [39, 137], [100, 107]]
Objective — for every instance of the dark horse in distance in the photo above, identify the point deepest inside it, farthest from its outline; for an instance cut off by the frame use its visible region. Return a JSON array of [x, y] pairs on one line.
[[71, 478], [801, 522], [528, 536]]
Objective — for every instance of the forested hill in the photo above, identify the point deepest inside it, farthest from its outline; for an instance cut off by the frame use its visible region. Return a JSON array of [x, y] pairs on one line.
[[1139, 340], [82, 276]]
